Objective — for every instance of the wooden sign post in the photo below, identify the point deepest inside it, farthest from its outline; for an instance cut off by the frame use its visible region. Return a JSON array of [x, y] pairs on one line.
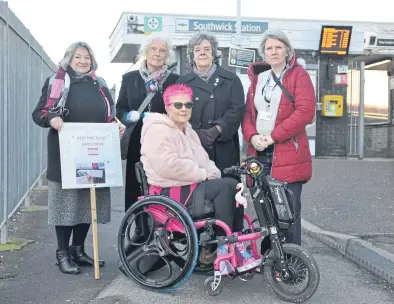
[[94, 232], [90, 158]]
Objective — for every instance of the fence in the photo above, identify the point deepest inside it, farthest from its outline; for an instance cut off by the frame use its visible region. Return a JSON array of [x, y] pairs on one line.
[[24, 67]]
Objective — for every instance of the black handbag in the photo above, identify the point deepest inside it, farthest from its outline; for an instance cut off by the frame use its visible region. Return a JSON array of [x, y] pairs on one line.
[[125, 139]]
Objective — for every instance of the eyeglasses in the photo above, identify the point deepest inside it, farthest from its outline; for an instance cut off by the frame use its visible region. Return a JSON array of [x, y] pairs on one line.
[[179, 105]]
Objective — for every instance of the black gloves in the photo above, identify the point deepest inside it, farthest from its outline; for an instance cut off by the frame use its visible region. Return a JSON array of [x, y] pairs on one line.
[[208, 136]]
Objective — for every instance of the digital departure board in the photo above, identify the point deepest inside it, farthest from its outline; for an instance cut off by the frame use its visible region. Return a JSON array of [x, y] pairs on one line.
[[335, 40]]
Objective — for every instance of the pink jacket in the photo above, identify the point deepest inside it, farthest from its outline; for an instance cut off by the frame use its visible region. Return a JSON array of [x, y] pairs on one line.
[[171, 157]]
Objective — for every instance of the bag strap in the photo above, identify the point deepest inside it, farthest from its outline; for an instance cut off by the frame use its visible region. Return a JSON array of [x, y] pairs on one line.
[[149, 97], [144, 104], [287, 93], [284, 90]]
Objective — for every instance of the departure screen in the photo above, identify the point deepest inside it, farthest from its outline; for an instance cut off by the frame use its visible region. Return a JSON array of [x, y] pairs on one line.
[[335, 40]]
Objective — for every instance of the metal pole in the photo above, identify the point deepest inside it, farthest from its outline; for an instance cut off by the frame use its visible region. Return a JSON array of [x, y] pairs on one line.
[[361, 113], [4, 228], [41, 137], [28, 169], [238, 70], [354, 117]]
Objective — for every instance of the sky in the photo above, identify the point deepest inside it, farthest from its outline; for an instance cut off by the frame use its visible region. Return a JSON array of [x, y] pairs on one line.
[[57, 23]]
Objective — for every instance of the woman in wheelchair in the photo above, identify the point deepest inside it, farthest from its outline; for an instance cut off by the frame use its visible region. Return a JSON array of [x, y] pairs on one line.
[[176, 165]]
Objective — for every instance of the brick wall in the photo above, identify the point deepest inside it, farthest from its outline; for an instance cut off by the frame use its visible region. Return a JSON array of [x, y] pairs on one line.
[[331, 132]]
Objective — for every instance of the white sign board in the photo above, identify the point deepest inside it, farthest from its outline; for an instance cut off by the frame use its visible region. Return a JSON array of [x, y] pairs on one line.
[[181, 25], [90, 155], [239, 57], [240, 40], [342, 69]]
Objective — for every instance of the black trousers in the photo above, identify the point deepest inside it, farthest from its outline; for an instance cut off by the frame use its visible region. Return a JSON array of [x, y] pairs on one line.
[[63, 234], [293, 234], [132, 187], [221, 192]]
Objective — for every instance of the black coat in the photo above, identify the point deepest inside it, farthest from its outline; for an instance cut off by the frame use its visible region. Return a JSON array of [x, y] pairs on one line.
[[220, 101], [132, 93], [84, 103]]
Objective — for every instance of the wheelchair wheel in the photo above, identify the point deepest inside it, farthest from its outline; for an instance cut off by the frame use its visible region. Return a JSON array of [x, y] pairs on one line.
[[303, 279], [163, 259]]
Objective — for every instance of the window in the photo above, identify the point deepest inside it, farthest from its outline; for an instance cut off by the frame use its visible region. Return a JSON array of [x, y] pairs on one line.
[[376, 96]]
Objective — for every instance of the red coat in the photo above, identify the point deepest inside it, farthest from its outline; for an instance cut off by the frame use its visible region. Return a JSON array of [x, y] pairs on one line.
[[292, 160]]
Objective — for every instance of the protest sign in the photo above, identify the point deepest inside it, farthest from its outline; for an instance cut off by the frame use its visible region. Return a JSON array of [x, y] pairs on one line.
[[90, 158], [90, 155]]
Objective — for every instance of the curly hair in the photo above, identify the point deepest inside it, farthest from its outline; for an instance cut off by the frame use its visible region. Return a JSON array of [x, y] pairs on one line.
[[157, 37], [196, 40]]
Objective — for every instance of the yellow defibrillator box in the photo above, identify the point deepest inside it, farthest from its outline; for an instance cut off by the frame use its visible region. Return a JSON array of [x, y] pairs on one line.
[[332, 106]]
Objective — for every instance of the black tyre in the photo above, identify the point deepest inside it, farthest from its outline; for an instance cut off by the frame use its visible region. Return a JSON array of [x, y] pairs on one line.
[[300, 262], [166, 253]]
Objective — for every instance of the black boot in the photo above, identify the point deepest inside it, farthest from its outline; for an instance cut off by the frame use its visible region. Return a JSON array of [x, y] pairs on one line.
[[79, 257], [64, 262]]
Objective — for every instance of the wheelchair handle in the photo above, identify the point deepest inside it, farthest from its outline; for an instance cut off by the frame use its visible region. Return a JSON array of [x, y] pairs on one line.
[[235, 170], [250, 166]]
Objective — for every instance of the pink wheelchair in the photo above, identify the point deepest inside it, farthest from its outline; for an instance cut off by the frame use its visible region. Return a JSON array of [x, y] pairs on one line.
[[169, 253]]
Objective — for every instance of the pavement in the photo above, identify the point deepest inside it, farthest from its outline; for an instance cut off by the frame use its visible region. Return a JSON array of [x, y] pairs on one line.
[[351, 196], [350, 203], [346, 215], [341, 282], [30, 276]]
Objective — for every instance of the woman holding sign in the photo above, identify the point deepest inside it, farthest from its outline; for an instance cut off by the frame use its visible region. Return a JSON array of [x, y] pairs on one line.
[[280, 104], [73, 94], [153, 77]]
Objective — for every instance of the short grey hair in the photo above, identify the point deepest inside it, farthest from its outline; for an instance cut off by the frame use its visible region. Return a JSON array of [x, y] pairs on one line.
[[197, 39], [278, 35], [68, 56], [154, 37]]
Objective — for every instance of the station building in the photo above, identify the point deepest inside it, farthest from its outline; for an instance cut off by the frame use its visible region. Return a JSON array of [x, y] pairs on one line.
[[337, 55]]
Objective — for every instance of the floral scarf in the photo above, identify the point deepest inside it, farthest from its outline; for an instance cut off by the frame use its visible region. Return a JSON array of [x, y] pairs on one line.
[[152, 80]]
